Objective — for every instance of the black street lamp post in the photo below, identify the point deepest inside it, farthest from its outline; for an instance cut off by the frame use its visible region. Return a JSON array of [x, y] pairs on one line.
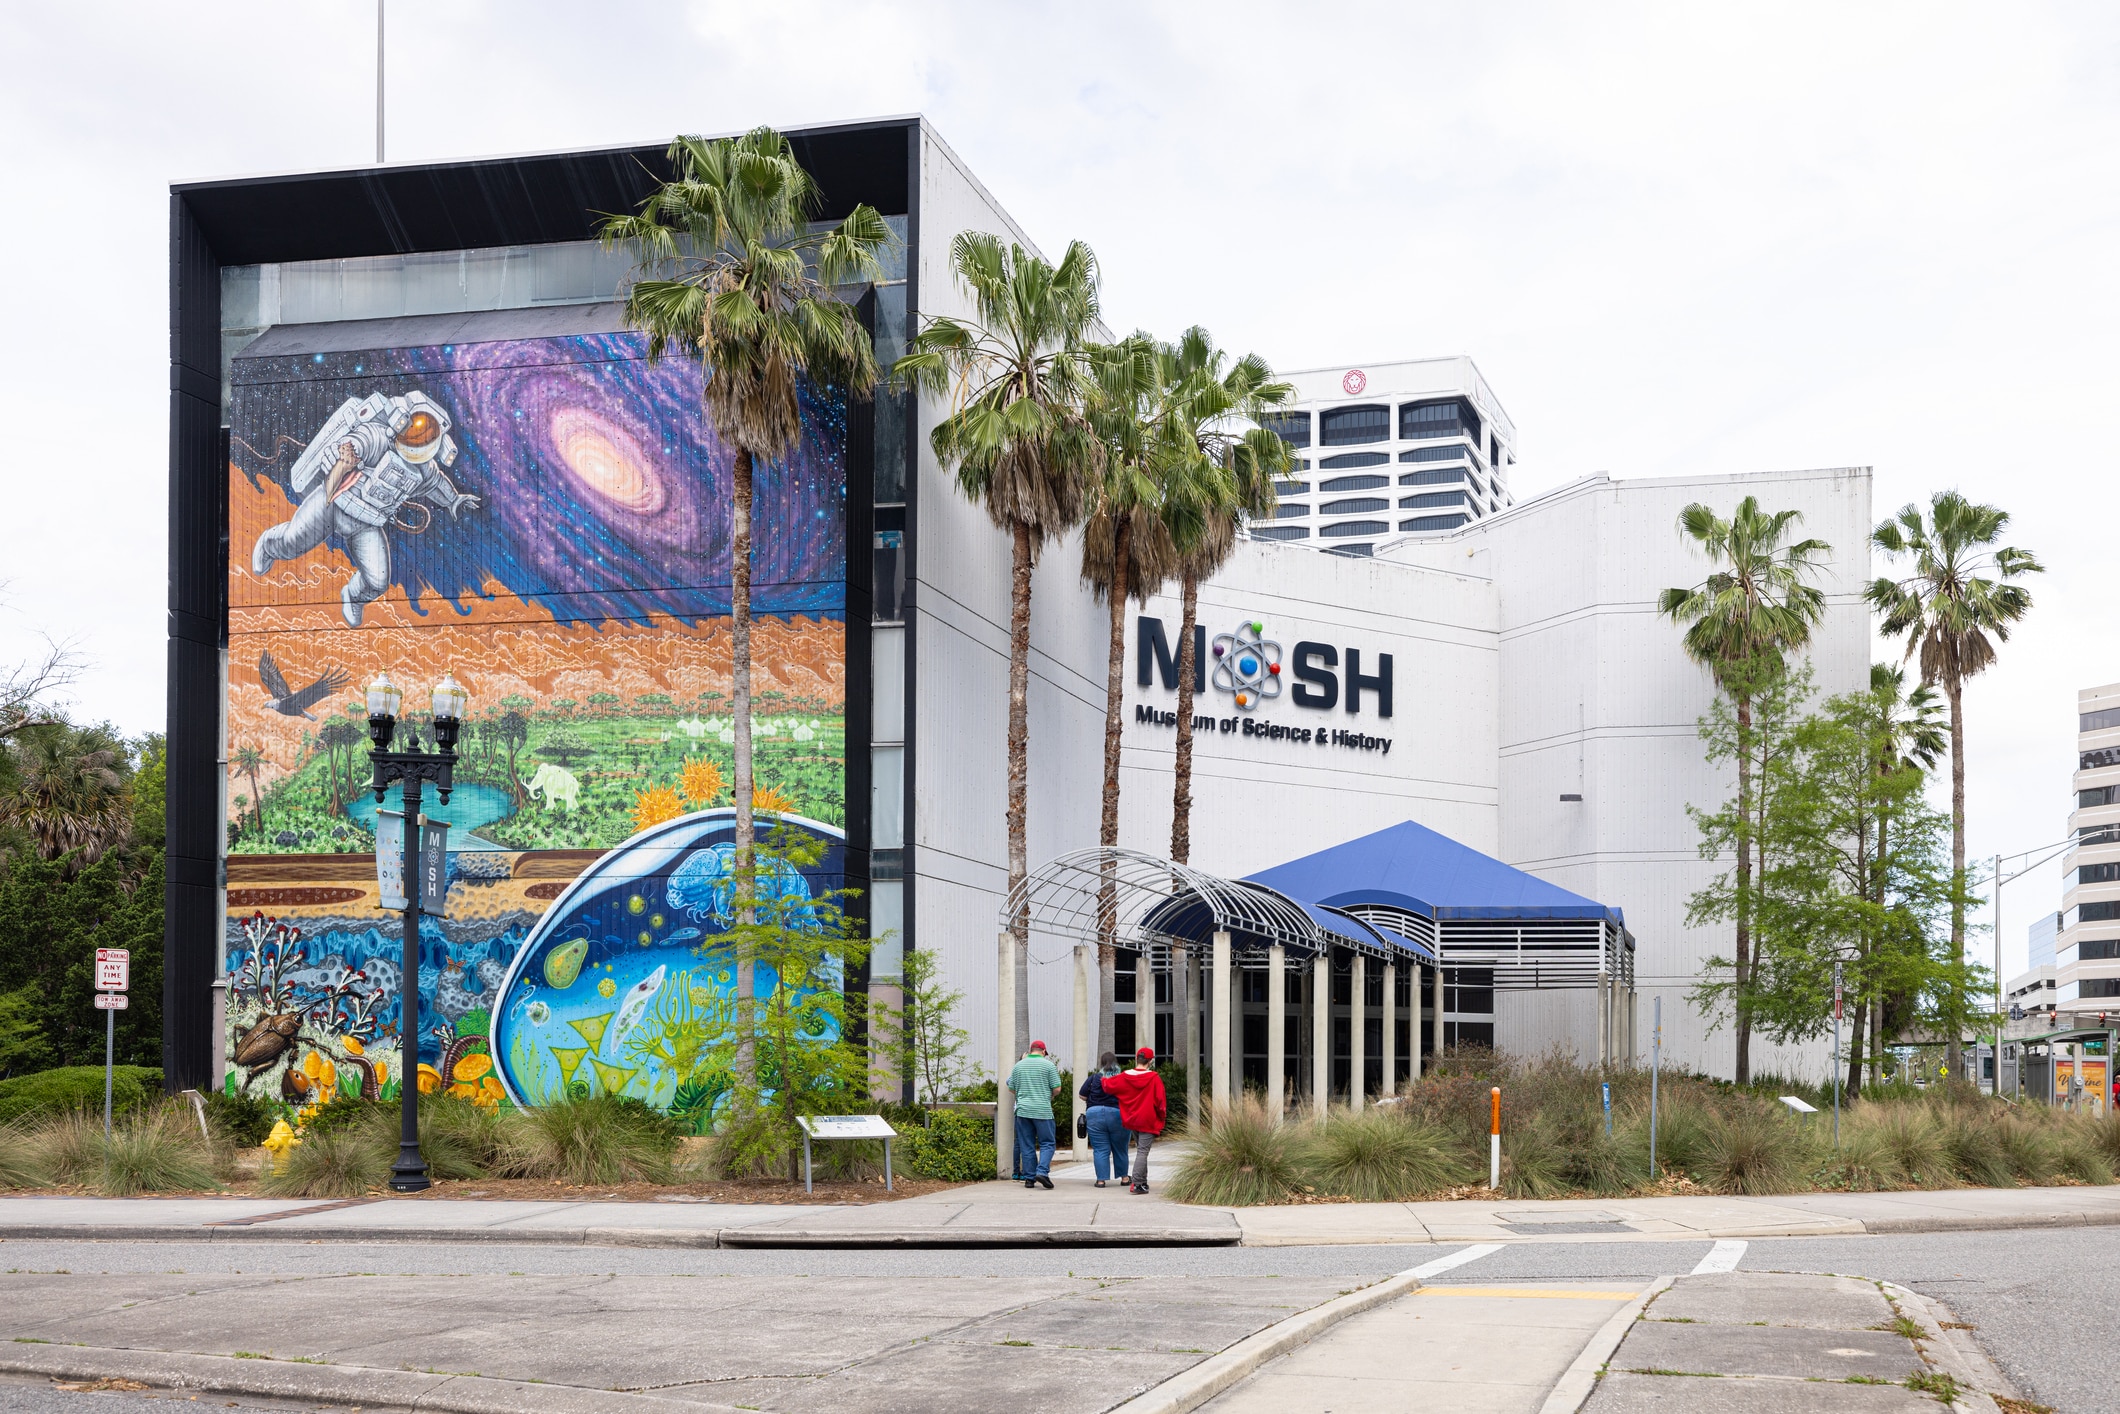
[[413, 767]]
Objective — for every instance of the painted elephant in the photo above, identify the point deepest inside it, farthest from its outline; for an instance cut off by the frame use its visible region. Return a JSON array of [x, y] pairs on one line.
[[558, 787]]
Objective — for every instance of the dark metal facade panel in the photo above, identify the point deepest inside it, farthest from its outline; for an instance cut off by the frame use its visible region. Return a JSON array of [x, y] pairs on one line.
[[531, 200]]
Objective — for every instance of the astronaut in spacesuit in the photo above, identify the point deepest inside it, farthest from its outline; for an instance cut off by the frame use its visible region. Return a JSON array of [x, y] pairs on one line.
[[355, 479]]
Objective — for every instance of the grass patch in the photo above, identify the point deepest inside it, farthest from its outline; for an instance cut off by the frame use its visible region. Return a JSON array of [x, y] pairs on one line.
[[1934, 1382], [1903, 1325], [1239, 1157]]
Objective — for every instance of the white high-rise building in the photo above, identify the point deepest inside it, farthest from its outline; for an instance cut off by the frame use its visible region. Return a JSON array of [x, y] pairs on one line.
[[1389, 449], [2087, 954]]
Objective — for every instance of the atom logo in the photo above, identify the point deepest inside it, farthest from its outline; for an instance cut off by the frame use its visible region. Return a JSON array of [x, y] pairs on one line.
[[1355, 381], [1247, 666]]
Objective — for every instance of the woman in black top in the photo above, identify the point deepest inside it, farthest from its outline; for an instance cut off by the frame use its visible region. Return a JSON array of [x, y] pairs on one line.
[[1100, 1116]]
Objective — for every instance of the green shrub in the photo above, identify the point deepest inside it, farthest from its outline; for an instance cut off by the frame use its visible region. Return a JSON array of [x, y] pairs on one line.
[[457, 1138], [599, 1139], [348, 1112], [954, 1146], [345, 1162], [1752, 1150], [1239, 1157], [157, 1150], [241, 1119], [1379, 1156], [78, 1087]]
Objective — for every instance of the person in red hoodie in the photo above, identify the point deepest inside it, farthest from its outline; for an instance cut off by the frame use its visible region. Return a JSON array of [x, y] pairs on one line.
[[1143, 1109]]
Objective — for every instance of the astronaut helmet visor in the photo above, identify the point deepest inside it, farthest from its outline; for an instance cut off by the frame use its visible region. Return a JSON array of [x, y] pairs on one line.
[[421, 439]]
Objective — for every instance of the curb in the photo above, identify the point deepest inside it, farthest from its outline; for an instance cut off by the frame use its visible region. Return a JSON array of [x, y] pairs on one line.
[[338, 1384], [1579, 1381], [1191, 1388], [1962, 1359], [1231, 1236]]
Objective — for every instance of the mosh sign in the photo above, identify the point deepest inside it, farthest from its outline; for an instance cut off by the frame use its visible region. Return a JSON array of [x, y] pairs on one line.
[[1250, 668]]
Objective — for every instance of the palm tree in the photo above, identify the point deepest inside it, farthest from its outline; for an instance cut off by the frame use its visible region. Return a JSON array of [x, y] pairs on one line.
[[247, 760], [1954, 607], [1019, 379], [1125, 552], [68, 793], [1224, 473], [733, 274], [1750, 611]]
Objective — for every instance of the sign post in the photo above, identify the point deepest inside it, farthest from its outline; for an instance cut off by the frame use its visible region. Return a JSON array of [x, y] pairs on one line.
[[845, 1127], [1656, 1056], [113, 974], [1836, 1054]]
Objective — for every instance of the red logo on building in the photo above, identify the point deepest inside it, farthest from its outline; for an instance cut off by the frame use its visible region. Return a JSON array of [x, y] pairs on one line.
[[1355, 381]]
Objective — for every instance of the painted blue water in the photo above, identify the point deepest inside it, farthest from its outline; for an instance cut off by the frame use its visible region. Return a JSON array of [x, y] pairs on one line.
[[470, 806]]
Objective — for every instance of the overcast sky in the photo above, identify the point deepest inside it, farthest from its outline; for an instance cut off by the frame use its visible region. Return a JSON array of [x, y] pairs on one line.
[[1676, 238]]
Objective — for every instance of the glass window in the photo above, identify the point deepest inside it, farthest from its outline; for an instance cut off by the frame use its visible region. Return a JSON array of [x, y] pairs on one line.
[[2103, 756], [2098, 874], [894, 411], [2101, 719], [889, 587], [887, 797], [1446, 417], [1291, 427], [1432, 498], [1355, 552], [1440, 476], [1291, 488], [1354, 483], [1354, 527], [2094, 797], [2098, 834], [1286, 511], [2098, 987], [1348, 459], [1436, 454], [1350, 427], [1433, 523], [2098, 949], [1354, 506], [1279, 532], [2097, 912]]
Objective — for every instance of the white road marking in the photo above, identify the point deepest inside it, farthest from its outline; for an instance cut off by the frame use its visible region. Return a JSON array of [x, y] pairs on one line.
[[1454, 1260], [1722, 1257]]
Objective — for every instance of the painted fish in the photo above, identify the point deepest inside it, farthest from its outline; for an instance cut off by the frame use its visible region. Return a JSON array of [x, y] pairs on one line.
[[638, 998], [564, 963]]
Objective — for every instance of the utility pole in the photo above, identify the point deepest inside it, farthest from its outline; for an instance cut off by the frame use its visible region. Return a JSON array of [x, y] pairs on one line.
[[379, 82]]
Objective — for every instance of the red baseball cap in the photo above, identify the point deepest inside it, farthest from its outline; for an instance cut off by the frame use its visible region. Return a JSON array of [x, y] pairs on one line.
[[1037, 1045], [1146, 1053]]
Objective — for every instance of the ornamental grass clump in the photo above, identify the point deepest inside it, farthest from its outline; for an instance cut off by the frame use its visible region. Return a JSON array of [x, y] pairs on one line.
[[343, 1162], [1239, 1157], [1377, 1156], [598, 1140], [1917, 1143], [1969, 1138], [157, 1150], [1752, 1150]]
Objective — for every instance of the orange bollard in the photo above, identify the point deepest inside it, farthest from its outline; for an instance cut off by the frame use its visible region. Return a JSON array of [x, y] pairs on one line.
[[1494, 1143]]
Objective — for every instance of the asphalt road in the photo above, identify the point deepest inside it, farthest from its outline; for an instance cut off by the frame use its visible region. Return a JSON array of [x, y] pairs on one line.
[[2037, 1298]]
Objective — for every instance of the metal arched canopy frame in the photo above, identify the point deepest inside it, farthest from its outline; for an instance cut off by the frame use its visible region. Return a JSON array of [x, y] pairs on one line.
[[1145, 903]]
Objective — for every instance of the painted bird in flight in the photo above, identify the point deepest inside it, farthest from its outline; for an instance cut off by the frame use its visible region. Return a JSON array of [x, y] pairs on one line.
[[285, 700]]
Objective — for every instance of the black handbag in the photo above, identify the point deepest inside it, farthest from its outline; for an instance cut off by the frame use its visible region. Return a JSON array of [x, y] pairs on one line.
[[1082, 1126]]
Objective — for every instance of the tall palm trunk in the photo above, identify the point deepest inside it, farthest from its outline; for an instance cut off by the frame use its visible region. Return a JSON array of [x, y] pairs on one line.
[[740, 698], [1954, 1052], [1181, 770], [1108, 825], [1744, 890], [1019, 737]]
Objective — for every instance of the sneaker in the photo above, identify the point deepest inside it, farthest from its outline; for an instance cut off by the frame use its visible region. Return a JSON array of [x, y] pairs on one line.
[[1045, 1180], [1030, 1183], [1138, 1188]]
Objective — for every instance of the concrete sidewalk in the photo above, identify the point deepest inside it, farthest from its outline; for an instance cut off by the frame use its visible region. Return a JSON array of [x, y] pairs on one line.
[[1074, 1214]]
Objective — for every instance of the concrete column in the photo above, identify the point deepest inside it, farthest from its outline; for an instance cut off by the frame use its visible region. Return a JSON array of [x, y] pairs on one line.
[[1321, 1032], [1276, 1027], [1357, 1042], [1439, 1004], [1413, 1022], [1144, 1001], [1391, 1028], [1187, 1022], [1005, 1059], [1219, 1003], [1085, 1030]]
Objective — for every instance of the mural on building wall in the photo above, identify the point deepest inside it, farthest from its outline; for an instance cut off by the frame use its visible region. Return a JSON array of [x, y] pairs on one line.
[[534, 985], [548, 519]]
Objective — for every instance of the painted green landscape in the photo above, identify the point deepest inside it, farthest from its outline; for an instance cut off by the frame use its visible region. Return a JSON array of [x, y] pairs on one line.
[[565, 774]]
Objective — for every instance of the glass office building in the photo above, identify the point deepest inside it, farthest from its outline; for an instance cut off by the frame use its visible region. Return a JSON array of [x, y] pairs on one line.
[[1387, 450]]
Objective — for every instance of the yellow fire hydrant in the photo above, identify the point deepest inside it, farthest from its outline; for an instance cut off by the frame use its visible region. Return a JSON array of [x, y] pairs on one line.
[[279, 1142]]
